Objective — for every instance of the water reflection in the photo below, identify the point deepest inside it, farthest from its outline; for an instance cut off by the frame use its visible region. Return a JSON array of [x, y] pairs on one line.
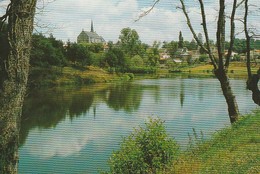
[[124, 96], [77, 128], [46, 108], [182, 95]]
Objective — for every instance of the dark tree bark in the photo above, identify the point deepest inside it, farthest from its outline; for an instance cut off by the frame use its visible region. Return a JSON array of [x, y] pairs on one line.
[[14, 68], [233, 111], [253, 79]]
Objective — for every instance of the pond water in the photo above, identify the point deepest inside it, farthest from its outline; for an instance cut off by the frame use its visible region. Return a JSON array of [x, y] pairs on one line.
[[75, 130]]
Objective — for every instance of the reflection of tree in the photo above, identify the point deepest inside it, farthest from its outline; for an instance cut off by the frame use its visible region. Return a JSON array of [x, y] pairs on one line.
[[46, 108], [124, 96], [80, 104], [182, 95], [200, 91]]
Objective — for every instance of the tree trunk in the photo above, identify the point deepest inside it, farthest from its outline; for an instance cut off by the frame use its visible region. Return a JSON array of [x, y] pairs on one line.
[[252, 84], [233, 111], [14, 74], [253, 79]]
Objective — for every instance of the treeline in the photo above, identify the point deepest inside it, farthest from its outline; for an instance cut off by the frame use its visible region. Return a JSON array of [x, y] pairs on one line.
[[240, 45], [129, 54]]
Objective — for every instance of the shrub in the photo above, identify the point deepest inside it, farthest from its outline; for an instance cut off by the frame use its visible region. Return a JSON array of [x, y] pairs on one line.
[[146, 150], [203, 58]]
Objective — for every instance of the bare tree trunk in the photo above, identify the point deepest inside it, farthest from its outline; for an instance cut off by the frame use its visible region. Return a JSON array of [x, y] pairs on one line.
[[233, 111], [14, 74], [253, 79], [221, 72]]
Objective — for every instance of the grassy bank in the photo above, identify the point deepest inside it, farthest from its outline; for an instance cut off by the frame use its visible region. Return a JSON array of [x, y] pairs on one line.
[[72, 75], [236, 69], [60, 76], [231, 150]]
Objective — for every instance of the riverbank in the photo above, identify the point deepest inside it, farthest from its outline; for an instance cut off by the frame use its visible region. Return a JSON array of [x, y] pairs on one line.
[[73, 75], [61, 76], [236, 69], [232, 150]]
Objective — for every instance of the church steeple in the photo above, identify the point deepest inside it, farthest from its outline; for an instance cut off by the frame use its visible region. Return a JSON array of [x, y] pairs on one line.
[[92, 27]]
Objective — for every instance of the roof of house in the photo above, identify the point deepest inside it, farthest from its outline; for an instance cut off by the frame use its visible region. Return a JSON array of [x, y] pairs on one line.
[[90, 34]]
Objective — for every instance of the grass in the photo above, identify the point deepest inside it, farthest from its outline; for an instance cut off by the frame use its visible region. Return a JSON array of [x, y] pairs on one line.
[[236, 69], [231, 150], [72, 75], [60, 76]]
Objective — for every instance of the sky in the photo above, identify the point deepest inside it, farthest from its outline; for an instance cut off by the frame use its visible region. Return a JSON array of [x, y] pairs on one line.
[[65, 19]]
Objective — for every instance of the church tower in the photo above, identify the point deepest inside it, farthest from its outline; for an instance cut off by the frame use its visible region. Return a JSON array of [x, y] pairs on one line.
[[92, 27]]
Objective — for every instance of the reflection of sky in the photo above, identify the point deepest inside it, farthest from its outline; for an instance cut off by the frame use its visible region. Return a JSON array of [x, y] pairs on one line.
[[84, 143]]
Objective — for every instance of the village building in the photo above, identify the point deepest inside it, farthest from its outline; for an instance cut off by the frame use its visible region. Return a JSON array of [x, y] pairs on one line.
[[89, 36]]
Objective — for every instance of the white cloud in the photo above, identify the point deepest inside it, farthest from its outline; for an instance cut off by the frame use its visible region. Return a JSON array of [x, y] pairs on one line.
[[68, 17]]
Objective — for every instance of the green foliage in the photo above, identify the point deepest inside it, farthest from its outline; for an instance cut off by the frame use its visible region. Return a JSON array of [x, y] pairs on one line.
[[116, 59], [171, 47], [240, 45], [98, 59], [130, 42], [79, 53], [191, 45], [94, 47], [46, 51], [236, 57], [146, 150], [203, 58], [153, 55], [136, 61], [180, 43]]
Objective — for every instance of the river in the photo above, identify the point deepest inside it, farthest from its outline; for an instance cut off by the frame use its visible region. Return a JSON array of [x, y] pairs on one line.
[[75, 130]]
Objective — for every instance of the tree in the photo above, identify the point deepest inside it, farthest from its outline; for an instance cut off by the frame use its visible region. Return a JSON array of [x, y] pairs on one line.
[[192, 45], [220, 67], [180, 43], [116, 58], [14, 69], [153, 54], [171, 47], [78, 53], [46, 51], [130, 42]]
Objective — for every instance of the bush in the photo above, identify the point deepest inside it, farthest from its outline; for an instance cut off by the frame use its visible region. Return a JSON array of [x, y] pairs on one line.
[[146, 150], [203, 58]]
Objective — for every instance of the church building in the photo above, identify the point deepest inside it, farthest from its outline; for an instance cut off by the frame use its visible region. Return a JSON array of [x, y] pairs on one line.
[[89, 36]]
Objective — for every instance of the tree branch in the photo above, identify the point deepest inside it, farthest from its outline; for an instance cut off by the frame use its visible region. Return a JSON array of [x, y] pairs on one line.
[[221, 33], [232, 34], [204, 24], [4, 17], [183, 8], [248, 38], [240, 3], [148, 11]]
